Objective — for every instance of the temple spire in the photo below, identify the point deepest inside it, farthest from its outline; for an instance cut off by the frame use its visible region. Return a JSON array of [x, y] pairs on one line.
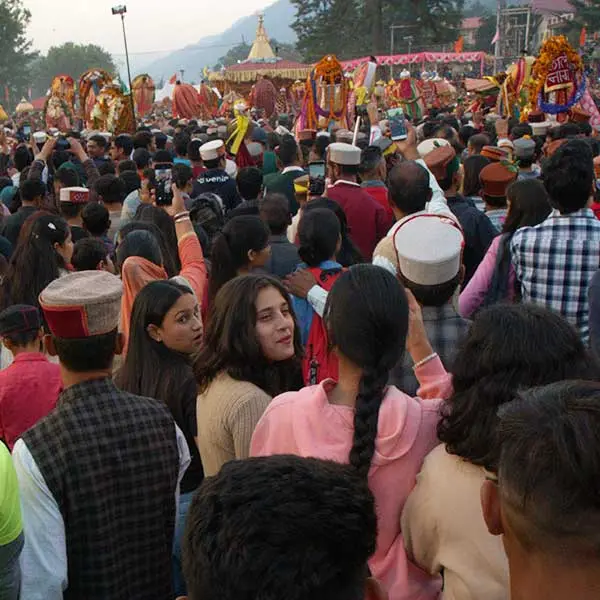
[[261, 49]]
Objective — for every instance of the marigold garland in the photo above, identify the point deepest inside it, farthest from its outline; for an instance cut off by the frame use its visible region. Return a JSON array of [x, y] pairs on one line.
[[551, 49]]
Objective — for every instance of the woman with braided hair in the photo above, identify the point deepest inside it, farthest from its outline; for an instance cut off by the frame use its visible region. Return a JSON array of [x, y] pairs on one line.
[[384, 433]]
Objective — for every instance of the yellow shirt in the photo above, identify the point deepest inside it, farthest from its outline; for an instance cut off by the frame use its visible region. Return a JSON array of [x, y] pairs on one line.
[[10, 509]]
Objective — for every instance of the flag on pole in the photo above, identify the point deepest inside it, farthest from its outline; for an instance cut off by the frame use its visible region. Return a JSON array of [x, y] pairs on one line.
[[496, 37], [582, 37], [173, 79], [459, 45], [6, 94]]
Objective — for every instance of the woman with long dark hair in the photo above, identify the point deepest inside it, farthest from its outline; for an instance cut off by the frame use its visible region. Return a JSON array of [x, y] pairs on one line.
[[42, 255], [509, 348], [165, 334], [472, 167], [495, 279], [348, 253], [379, 430], [241, 247], [251, 353]]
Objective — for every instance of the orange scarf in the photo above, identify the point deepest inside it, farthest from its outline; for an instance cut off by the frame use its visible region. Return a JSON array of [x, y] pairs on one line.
[[137, 272]]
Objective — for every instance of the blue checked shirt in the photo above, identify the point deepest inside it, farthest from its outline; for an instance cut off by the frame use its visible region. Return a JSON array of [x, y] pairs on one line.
[[555, 262]]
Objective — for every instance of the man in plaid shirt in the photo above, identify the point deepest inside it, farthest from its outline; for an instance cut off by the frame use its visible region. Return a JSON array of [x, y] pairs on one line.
[[556, 260]]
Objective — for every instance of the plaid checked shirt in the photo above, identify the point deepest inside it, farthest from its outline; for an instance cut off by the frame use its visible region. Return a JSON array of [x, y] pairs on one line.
[[445, 329], [555, 262]]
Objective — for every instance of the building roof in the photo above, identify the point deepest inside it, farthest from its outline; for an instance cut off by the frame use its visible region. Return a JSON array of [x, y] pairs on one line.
[[471, 23], [552, 6]]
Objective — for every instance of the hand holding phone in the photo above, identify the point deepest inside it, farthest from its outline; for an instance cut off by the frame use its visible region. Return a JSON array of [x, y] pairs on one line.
[[316, 169], [397, 122]]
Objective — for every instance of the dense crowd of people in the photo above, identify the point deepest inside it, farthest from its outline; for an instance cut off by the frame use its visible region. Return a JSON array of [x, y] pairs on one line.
[[328, 366]]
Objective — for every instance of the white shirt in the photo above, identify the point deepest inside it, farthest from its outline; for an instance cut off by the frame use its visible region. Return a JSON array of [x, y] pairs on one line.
[[43, 560]]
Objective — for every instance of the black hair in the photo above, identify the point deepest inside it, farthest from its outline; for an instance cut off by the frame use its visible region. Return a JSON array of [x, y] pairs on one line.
[[147, 213], [182, 174], [433, 295], [249, 182], [100, 140], [275, 212], [230, 342], [230, 249], [409, 188], [288, 151], [569, 130], [508, 347], [214, 164], [162, 157], [35, 262], [319, 233], [96, 218], [139, 243], [22, 338], [473, 166], [349, 253], [142, 140], [5, 182], [88, 253], [161, 141], [125, 143], [320, 146], [239, 521], [585, 129], [367, 319], [429, 128], [548, 442], [180, 143], [82, 355], [70, 210], [22, 158], [142, 158], [478, 141], [125, 166], [110, 189], [520, 130], [568, 176], [465, 133], [31, 189], [193, 150], [150, 368], [131, 182], [67, 177], [107, 167], [370, 159], [348, 170]]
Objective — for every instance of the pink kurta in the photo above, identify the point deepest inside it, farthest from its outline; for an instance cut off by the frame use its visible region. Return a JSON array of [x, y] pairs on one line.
[[472, 297], [306, 424]]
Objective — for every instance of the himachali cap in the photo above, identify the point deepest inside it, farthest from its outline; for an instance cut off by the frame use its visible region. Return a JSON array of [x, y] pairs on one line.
[[579, 115], [259, 135], [439, 160], [427, 146], [307, 134], [429, 249], [19, 318], [494, 153], [212, 150], [344, 154], [81, 305], [74, 195], [552, 147], [524, 147], [495, 179], [344, 135], [40, 137], [540, 128]]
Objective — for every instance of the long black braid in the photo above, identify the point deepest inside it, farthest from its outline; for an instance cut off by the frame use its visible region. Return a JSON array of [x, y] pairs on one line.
[[367, 318]]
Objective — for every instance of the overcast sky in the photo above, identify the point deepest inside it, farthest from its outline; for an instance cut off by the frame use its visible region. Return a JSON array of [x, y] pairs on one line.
[[152, 25]]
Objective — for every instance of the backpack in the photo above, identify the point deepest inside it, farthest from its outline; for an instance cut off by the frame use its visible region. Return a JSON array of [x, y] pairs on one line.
[[319, 363]]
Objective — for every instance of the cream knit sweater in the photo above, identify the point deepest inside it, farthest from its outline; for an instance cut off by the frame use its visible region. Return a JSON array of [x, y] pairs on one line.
[[227, 414]]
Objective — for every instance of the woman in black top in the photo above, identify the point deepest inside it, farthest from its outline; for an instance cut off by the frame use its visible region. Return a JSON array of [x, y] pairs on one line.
[[165, 333]]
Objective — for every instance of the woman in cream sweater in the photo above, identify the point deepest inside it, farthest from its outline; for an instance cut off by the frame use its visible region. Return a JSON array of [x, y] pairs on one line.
[[251, 353], [509, 347]]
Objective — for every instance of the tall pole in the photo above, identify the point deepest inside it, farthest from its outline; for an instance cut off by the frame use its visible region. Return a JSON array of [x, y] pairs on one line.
[[527, 30], [391, 51], [497, 49], [128, 71]]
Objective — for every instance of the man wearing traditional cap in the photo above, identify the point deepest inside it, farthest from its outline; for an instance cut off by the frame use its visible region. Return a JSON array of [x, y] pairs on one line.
[[428, 250], [99, 475], [71, 203], [30, 386], [215, 179], [478, 230], [495, 179], [525, 156], [367, 219]]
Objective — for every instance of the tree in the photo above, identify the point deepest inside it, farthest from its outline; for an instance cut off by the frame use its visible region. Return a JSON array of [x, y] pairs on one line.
[[15, 48], [351, 28], [69, 59], [587, 14], [485, 34]]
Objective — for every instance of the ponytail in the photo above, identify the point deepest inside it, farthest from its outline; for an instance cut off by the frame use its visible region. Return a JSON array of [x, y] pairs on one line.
[[373, 386]]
